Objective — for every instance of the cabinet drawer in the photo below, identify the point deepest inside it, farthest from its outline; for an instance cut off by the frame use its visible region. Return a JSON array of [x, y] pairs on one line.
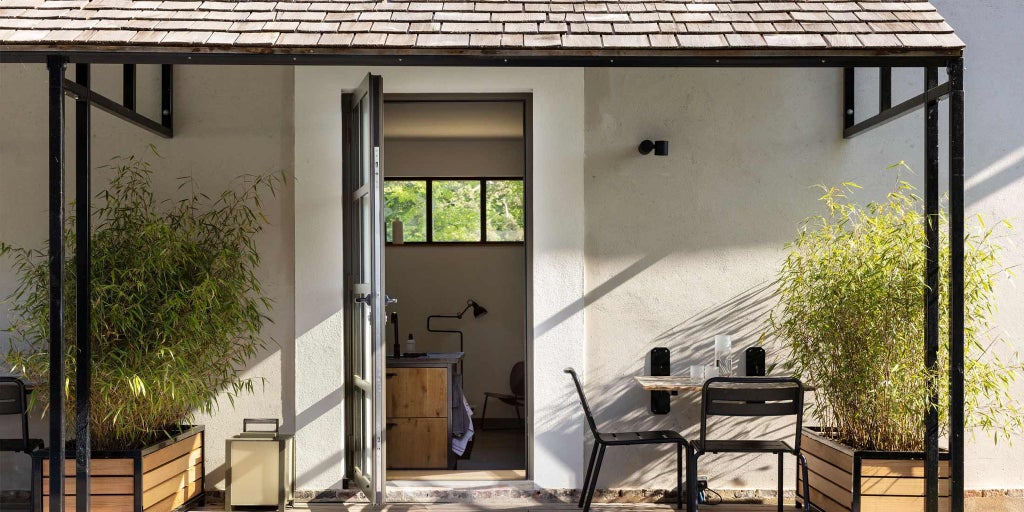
[[417, 443], [417, 392]]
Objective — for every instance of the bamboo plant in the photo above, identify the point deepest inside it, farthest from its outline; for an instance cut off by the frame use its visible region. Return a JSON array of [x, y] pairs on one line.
[[850, 316], [177, 307]]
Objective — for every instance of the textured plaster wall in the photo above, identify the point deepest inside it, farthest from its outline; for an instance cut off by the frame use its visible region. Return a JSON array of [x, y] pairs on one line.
[[681, 248], [557, 255], [228, 121]]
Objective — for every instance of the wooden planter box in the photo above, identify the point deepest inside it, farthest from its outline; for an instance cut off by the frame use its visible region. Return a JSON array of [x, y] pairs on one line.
[[846, 480], [158, 478]]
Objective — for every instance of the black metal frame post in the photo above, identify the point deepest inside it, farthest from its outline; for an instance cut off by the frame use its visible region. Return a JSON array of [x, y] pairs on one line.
[[56, 66], [83, 305], [931, 291], [167, 96], [128, 87], [955, 71]]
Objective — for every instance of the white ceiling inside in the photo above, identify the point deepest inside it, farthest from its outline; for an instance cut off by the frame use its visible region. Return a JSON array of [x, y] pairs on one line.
[[453, 120]]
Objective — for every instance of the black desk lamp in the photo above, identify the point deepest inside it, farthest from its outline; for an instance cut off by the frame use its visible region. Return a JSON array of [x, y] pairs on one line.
[[478, 311]]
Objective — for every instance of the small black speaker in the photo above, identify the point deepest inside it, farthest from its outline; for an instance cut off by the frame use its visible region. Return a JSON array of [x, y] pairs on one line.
[[755, 362], [661, 365]]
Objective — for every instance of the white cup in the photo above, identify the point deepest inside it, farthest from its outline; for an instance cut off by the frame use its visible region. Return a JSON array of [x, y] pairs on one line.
[[710, 371], [697, 372]]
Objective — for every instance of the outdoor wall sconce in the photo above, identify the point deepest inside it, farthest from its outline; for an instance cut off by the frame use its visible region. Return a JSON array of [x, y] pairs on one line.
[[660, 147]]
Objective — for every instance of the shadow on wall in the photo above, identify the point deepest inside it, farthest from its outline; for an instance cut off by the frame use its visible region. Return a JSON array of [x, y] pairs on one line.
[[620, 404]]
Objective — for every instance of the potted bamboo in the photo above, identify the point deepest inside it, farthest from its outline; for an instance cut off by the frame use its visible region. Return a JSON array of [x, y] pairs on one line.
[[850, 319], [177, 310]]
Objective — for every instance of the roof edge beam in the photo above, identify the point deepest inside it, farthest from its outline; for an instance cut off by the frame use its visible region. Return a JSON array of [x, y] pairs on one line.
[[897, 111]]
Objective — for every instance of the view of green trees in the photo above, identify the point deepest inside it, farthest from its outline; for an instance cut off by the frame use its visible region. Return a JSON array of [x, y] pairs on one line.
[[406, 200], [456, 210], [505, 211]]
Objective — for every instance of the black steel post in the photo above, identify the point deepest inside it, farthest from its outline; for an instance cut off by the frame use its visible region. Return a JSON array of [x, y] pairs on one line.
[[56, 65], [956, 285], [884, 88], [83, 306], [167, 96], [931, 292], [128, 86], [848, 97]]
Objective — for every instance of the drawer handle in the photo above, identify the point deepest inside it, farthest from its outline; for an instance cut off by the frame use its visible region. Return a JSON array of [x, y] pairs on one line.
[[389, 375], [389, 425]]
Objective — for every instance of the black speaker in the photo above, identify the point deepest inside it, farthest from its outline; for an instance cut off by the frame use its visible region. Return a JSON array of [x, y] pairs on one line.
[[755, 362], [661, 365]]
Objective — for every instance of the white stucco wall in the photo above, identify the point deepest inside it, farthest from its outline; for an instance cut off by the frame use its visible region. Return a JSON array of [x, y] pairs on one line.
[[228, 121], [557, 251]]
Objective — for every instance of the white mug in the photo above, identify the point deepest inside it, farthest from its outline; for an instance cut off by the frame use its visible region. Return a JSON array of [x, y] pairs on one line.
[[697, 372]]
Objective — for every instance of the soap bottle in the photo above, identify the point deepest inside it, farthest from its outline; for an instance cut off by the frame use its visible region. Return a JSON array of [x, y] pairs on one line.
[[410, 345]]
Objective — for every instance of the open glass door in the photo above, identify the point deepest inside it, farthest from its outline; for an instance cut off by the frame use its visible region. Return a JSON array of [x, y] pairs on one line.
[[364, 214]]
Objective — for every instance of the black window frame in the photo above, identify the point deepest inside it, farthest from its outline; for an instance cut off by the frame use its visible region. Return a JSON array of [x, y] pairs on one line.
[[429, 181]]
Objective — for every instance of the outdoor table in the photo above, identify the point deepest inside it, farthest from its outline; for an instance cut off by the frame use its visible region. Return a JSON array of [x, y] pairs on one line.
[[677, 383]]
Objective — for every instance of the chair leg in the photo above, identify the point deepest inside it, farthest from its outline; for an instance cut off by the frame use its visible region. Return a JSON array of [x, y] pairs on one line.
[[691, 479], [483, 415], [779, 496], [806, 485], [593, 479], [590, 471], [679, 476]]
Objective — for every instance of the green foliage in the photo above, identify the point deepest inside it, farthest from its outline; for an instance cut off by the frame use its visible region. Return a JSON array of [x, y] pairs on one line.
[[851, 299], [406, 200], [456, 213], [505, 211], [177, 309]]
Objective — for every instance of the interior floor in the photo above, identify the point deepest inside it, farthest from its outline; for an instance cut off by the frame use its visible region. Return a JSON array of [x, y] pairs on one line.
[[503, 448]]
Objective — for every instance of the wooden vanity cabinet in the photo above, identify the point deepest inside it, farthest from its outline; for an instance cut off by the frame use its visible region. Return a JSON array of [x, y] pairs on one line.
[[419, 404]]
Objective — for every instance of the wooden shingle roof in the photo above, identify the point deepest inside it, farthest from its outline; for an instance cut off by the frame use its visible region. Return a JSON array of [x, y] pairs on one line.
[[573, 26]]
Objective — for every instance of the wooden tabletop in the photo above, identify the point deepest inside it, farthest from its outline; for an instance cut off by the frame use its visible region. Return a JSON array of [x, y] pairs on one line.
[[676, 383]]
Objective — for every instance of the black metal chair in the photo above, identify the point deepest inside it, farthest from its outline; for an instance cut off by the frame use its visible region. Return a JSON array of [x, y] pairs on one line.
[[516, 384], [13, 402], [603, 440], [749, 397]]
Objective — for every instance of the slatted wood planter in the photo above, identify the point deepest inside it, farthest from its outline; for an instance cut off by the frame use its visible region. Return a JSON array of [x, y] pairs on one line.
[[846, 480], [159, 478]]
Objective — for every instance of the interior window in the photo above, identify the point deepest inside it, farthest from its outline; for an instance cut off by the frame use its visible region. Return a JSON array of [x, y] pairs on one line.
[[456, 211], [444, 210], [504, 210], [406, 200]]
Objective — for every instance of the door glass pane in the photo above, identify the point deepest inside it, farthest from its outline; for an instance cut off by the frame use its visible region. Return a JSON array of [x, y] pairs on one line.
[[456, 211], [364, 152], [406, 201], [505, 218]]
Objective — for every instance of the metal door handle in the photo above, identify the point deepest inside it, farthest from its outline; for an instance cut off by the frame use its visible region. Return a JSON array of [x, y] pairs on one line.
[[389, 300], [364, 299]]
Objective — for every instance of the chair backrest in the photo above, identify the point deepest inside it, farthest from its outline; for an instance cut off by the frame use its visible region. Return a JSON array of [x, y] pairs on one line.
[[752, 397], [12, 402], [517, 379], [583, 400]]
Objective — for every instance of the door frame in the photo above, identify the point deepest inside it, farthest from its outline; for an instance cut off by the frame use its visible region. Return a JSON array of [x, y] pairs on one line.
[[351, 168], [526, 98]]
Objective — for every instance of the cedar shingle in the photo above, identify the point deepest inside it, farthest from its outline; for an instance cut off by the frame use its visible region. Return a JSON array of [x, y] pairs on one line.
[[585, 24]]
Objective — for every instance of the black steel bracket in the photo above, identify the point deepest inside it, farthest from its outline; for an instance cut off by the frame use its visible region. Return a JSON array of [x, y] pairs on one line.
[[126, 109], [887, 111]]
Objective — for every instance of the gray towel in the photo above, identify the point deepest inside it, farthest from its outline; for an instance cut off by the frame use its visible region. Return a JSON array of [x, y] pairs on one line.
[[461, 422]]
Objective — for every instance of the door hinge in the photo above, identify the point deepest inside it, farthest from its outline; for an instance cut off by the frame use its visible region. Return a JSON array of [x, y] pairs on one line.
[[376, 160]]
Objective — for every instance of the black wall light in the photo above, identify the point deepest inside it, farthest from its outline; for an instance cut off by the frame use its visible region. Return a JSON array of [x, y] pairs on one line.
[[660, 147]]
